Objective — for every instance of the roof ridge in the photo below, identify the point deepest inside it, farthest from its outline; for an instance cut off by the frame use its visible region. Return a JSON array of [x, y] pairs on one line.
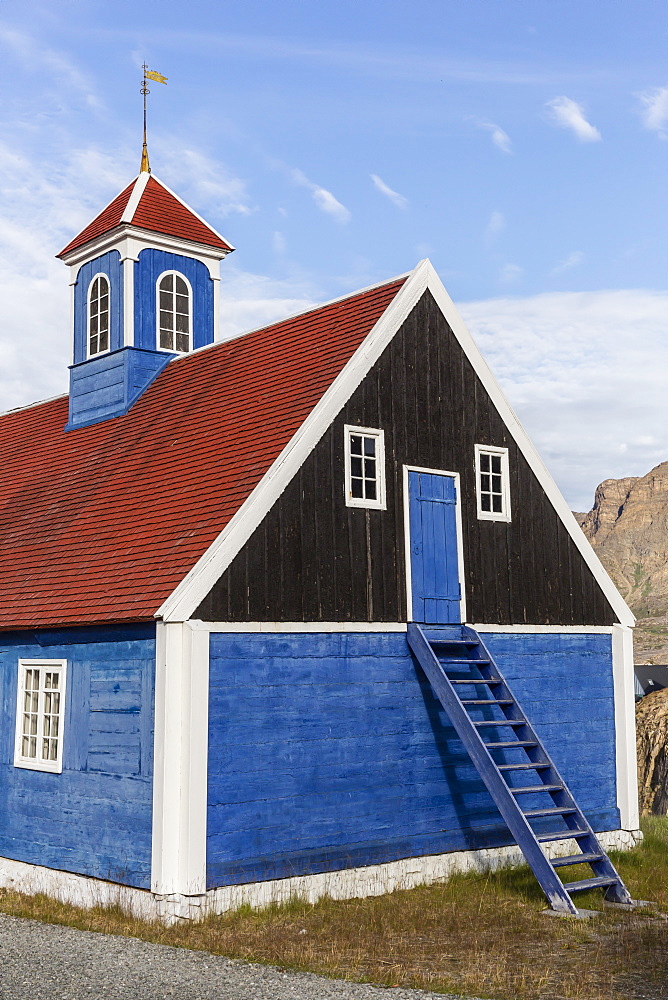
[[30, 406]]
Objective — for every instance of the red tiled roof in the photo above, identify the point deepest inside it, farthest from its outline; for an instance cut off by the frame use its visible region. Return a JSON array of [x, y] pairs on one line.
[[100, 524], [108, 219], [158, 211]]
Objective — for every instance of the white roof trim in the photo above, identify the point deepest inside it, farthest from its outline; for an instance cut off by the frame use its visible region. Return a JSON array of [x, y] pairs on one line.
[[133, 201], [193, 212], [184, 600]]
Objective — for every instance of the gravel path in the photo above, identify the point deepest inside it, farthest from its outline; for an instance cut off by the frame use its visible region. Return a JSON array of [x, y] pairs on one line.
[[48, 962]]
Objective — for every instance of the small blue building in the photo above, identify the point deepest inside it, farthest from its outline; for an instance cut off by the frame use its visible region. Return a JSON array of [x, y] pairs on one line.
[[209, 557]]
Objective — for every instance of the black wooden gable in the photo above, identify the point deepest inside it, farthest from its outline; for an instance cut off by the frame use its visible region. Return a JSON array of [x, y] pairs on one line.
[[315, 559]]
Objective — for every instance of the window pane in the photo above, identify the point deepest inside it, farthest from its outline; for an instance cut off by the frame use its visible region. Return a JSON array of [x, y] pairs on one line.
[[484, 502], [182, 342], [166, 320], [182, 304], [371, 489], [181, 287], [484, 463], [355, 444], [496, 484], [167, 283], [167, 339], [104, 341], [355, 466], [369, 446], [496, 463], [166, 300], [181, 323], [357, 488], [485, 483], [370, 468], [93, 345], [93, 307], [496, 504]]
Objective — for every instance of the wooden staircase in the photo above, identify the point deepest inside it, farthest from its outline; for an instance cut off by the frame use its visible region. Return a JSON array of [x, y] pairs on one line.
[[529, 792]]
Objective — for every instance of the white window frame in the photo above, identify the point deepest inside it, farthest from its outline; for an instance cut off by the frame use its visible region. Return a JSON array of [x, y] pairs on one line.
[[380, 502], [96, 354], [168, 350], [37, 763], [490, 515]]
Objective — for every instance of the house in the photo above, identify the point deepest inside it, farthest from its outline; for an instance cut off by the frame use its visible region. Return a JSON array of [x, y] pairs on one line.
[[210, 553]]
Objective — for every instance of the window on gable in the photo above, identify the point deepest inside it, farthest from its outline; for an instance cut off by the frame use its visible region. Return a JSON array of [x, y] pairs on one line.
[[492, 483], [98, 315], [174, 313], [365, 467], [40, 714]]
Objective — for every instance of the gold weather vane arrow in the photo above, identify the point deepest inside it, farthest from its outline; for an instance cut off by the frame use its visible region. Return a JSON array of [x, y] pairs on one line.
[[149, 74]]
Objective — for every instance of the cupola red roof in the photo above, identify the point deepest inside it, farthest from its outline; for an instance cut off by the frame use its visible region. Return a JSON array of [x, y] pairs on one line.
[[102, 523], [148, 204]]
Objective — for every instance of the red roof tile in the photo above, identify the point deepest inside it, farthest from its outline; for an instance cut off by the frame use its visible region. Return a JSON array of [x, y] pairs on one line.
[[100, 524], [158, 211], [108, 219]]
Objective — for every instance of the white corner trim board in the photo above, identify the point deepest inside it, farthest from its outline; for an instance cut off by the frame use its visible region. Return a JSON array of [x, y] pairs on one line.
[[625, 726], [181, 760], [350, 883], [184, 600]]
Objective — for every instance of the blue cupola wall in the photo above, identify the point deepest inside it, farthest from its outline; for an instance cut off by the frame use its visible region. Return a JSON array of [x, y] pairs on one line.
[[139, 299]]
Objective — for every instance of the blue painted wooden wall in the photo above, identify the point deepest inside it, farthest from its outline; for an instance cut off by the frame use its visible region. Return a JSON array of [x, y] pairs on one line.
[[95, 817], [328, 751], [109, 264], [149, 267]]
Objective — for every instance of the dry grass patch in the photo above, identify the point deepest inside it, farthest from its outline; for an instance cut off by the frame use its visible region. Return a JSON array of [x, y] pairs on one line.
[[475, 934]]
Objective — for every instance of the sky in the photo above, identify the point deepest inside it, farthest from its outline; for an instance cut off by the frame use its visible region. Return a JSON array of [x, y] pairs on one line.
[[522, 145]]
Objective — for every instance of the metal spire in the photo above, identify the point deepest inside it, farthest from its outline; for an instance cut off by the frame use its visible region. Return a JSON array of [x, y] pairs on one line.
[[159, 78]]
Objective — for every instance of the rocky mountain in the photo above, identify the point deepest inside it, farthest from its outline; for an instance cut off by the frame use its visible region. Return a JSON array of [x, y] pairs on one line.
[[628, 528]]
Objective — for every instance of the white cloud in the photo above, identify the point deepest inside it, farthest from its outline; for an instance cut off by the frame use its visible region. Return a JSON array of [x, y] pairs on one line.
[[587, 374], [569, 114], [323, 198], [510, 273], [394, 196], [500, 138], [496, 225], [573, 260], [655, 110], [200, 180]]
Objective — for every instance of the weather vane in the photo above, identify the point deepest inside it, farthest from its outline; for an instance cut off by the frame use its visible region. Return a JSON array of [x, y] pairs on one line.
[[149, 74]]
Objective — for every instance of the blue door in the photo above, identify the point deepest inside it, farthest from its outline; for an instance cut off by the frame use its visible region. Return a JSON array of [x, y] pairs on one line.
[[433, 545]]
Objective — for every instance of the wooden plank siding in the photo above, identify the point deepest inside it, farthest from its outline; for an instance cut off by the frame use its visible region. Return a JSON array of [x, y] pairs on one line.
[[331, 750], [315, 559], [96, 817]]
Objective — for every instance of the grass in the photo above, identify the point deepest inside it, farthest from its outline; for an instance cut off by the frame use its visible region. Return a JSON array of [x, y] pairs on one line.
[[475, 934]]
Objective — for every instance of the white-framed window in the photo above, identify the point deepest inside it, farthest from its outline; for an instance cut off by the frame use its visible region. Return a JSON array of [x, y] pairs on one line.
[[492, 483], [174, 312], [40, 711], [98, 315], [365, 467]]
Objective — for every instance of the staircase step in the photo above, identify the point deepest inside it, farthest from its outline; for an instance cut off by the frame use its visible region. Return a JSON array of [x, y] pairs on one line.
[[509, 744], [590, 883], [434, 641], [453, 659], [575, 859], [476, 680], [536, 788], [556, 811], [544, 838], [534, 766], [487, 701]]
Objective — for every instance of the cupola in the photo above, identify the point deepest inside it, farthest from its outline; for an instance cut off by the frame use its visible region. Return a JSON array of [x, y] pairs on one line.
[[145, 277]]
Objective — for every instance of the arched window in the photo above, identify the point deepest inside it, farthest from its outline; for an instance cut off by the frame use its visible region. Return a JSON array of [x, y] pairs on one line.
[[98, 315], [174, 312]]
